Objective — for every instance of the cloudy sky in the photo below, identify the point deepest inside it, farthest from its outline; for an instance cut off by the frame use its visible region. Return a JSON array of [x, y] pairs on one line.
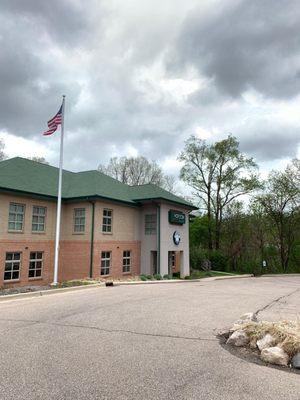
[[140, 76]]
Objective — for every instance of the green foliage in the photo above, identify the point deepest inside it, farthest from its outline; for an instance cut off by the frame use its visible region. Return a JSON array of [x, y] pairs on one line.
[[143, 278], [219, 261], [149, 277], [167, 276], [199, 231], [158, 277]]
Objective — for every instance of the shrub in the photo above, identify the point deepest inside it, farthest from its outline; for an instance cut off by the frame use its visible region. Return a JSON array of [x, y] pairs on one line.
[[167, 276], [176, 275], [143, 278], [149, 277], [158, 277], [199, 256]]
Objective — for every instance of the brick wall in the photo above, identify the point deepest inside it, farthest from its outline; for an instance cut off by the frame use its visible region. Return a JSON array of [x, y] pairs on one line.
[[117, 249], [24, 247]]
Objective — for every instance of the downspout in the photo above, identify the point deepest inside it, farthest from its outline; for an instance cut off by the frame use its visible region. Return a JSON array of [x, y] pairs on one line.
[[158, 238], [92, 239]]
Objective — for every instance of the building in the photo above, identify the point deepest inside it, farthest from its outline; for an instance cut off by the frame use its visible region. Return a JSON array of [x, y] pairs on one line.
[[108, 229]]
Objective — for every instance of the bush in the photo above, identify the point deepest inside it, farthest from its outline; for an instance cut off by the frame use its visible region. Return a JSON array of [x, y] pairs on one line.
[[218, 260], [158, 277], [167, 276], [149, 277], [198, 256], [143, 278], [176, 275]]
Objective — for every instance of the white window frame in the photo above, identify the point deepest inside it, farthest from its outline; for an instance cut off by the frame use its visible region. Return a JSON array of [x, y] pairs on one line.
[[150, 224], [36, 264], [14, 220], [107, 220], [105, 263], [13, 262], [126, 268], [41, 219], [79, 220]]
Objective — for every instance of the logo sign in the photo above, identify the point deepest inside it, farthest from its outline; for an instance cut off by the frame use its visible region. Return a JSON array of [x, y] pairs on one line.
[[176, 238], [176, 217]]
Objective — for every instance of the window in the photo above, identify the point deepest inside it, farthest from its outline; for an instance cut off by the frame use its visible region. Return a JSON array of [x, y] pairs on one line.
[[35, 264], [173, 259], [150, 224], [107, 221], [105, 262], [126, 261], [12, 266], [79, 220], [16, 217], [38, 219]]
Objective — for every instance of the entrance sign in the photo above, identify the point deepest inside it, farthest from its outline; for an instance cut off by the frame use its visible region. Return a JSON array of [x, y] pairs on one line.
[[176, 217], [176, 238]]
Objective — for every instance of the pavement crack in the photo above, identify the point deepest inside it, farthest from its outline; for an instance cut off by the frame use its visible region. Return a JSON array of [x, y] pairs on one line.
[[275, 301], [106, 330]]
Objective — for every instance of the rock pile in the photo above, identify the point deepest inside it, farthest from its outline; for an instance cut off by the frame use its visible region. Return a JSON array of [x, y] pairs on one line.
[[277, 342]]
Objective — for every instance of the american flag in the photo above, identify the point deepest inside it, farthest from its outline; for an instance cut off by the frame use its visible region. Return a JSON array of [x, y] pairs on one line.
[[54, 122]]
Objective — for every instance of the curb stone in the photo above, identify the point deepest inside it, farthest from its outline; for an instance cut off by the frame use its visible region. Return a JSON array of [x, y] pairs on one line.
[[48, 292]]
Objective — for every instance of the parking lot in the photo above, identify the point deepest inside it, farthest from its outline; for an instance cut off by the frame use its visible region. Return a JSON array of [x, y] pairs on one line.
[[142, 342]]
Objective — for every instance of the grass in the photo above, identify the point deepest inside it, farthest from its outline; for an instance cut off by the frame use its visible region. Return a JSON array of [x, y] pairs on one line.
[[196, 274], [285, 333]]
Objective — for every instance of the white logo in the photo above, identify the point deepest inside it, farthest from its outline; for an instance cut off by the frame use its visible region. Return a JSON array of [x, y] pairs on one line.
[[176, 238]]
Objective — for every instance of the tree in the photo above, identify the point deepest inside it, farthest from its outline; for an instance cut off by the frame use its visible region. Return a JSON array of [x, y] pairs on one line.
[[137, 171], [219, 173], [2, 146], [41, 160], [281, 205]]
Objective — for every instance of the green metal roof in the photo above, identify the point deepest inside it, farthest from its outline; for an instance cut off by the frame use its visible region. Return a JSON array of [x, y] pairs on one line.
[[26, 176]]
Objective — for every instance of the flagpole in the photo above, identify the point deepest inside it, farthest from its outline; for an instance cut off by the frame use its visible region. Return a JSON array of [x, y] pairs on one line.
[[58, 212]]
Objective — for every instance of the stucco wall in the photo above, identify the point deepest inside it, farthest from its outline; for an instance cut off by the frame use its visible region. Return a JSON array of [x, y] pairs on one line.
[[27, 233], [148, 242], [166, 240]]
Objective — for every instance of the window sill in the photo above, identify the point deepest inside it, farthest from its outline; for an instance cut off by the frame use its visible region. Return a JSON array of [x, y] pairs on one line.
[[15, 231], [78, 233], [11, 281], [39, 278], [126, 273], [38, 233], [106, 233], [105, 276]]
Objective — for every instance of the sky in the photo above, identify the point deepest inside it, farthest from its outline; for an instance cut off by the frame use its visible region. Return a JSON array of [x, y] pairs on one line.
[[141, 76]]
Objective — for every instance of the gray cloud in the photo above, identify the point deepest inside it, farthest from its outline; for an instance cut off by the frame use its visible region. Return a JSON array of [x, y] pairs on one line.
[[110, 60], [269, 140], [245, 44]]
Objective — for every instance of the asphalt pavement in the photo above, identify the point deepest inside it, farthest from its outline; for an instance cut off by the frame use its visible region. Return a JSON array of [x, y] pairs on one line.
[[142, 342]]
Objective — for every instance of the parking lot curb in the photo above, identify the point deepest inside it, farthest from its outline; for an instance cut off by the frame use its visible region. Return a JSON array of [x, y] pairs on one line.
[[49, 292]]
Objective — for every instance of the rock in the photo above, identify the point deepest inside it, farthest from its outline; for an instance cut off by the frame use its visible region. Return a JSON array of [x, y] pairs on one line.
[[225, 333], [238, 338], [296, 361], [252, 344], [275, 355], [248, 317], [267, 341]]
